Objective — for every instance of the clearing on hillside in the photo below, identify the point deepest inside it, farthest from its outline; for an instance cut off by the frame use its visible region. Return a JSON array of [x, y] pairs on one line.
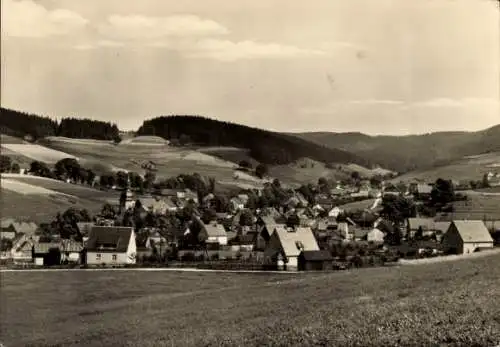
[[440, 304], [145, 141], [37, 152], [88, 142], [10, 139], [466, 169], [40, 208]]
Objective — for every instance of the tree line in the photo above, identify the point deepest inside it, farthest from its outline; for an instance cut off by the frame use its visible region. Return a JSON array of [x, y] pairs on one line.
[[265, 146], [21, 124]]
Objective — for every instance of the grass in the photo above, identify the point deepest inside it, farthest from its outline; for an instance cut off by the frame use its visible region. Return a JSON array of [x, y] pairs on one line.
[[41, 208], [37, 152], [10, 139], [66, 188], [466, 169], [478, 206], [442, 304]]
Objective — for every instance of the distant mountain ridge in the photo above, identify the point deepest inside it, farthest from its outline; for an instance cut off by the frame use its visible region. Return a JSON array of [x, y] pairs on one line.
[[265, 146], [410, 152]]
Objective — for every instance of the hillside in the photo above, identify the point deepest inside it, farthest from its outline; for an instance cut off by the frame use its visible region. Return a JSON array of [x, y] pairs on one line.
[[406, 153], [463, 169], [264, 146], [20, 124]]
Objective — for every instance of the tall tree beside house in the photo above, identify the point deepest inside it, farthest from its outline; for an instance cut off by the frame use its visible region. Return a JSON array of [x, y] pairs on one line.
[[15, 168], [68, 168], [5, 163], [246, 218], [149, 179], [108, 211], [485, 182], [308, 192], [209, 215], [41, 169], [261, 170], [442, 193], [90, 177], [121, 179], [293, 221], [397, 208]]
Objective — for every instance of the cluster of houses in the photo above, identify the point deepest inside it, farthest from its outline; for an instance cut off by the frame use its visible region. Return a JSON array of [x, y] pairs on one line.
[[304, 246]]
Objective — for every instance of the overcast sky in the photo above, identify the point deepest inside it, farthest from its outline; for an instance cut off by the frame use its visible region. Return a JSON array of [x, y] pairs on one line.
[[379, 67]]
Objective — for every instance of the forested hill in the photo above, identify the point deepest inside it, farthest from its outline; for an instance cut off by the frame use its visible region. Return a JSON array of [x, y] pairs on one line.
[[407, 153], [20, 124], [265, 146]]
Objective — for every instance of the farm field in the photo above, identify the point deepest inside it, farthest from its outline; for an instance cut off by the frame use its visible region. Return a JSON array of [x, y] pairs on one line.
[[468, 168], [446, 304], [478, 206], [41, 208], [358, 205], [10, 139], [36, 152], [78, 191]]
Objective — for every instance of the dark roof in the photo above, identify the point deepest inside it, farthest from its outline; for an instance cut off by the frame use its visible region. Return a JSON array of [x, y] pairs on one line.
[[317, 255], [111, 239], [45, 247]]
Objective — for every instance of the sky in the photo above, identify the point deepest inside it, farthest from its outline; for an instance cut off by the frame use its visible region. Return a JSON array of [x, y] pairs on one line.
[[377, 67]]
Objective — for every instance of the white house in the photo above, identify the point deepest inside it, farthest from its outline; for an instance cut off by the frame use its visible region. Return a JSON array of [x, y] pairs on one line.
[[111, 245], [375, 235], [335, 212], [285, 246], [467, 236], [213, 232]]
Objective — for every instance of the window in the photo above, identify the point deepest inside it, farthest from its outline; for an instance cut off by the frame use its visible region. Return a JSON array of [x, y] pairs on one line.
[[114, 257], [97, 257], [299, 245]]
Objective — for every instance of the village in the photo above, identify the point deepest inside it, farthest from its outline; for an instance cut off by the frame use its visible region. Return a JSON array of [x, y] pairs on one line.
[[185, 222]]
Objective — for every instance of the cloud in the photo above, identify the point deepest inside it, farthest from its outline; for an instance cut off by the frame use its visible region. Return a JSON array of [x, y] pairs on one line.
[[225, 50], [454, 103], [138, 27], [28, 19], [376, 102]]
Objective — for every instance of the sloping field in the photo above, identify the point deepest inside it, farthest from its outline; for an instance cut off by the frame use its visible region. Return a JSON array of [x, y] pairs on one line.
[[10, 139], [56, 186], [145, 140], [441, 304], [89, 142], [40, 208], [468, 168], [37, 152], [25, 188], [478, 206]]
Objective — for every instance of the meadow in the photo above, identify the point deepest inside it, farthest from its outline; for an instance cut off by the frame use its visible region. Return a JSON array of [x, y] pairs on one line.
[[442, 304], [37, 152], [467, 168]]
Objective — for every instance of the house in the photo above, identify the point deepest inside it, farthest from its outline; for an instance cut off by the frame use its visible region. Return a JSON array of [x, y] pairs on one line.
[[375, 235], [144, 245], [237, 203], [315, 260], [111, 245], [71, 251], [84, 227], [364, 193], [266, 225], [467, 236], [22, 248], [213, 233], [7, 231], [47, 253], [285, 246], [359, 233], [422, 191], [426, 226], [335, 212], [188, 195]]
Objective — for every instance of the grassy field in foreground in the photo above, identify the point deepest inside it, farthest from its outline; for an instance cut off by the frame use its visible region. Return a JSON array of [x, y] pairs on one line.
[[443, 304]]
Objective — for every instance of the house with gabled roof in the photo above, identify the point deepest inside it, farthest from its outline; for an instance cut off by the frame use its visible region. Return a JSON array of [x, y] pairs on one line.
[[111, 245], [213, 233], [286, 244], [22, 248], [467, 236]]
